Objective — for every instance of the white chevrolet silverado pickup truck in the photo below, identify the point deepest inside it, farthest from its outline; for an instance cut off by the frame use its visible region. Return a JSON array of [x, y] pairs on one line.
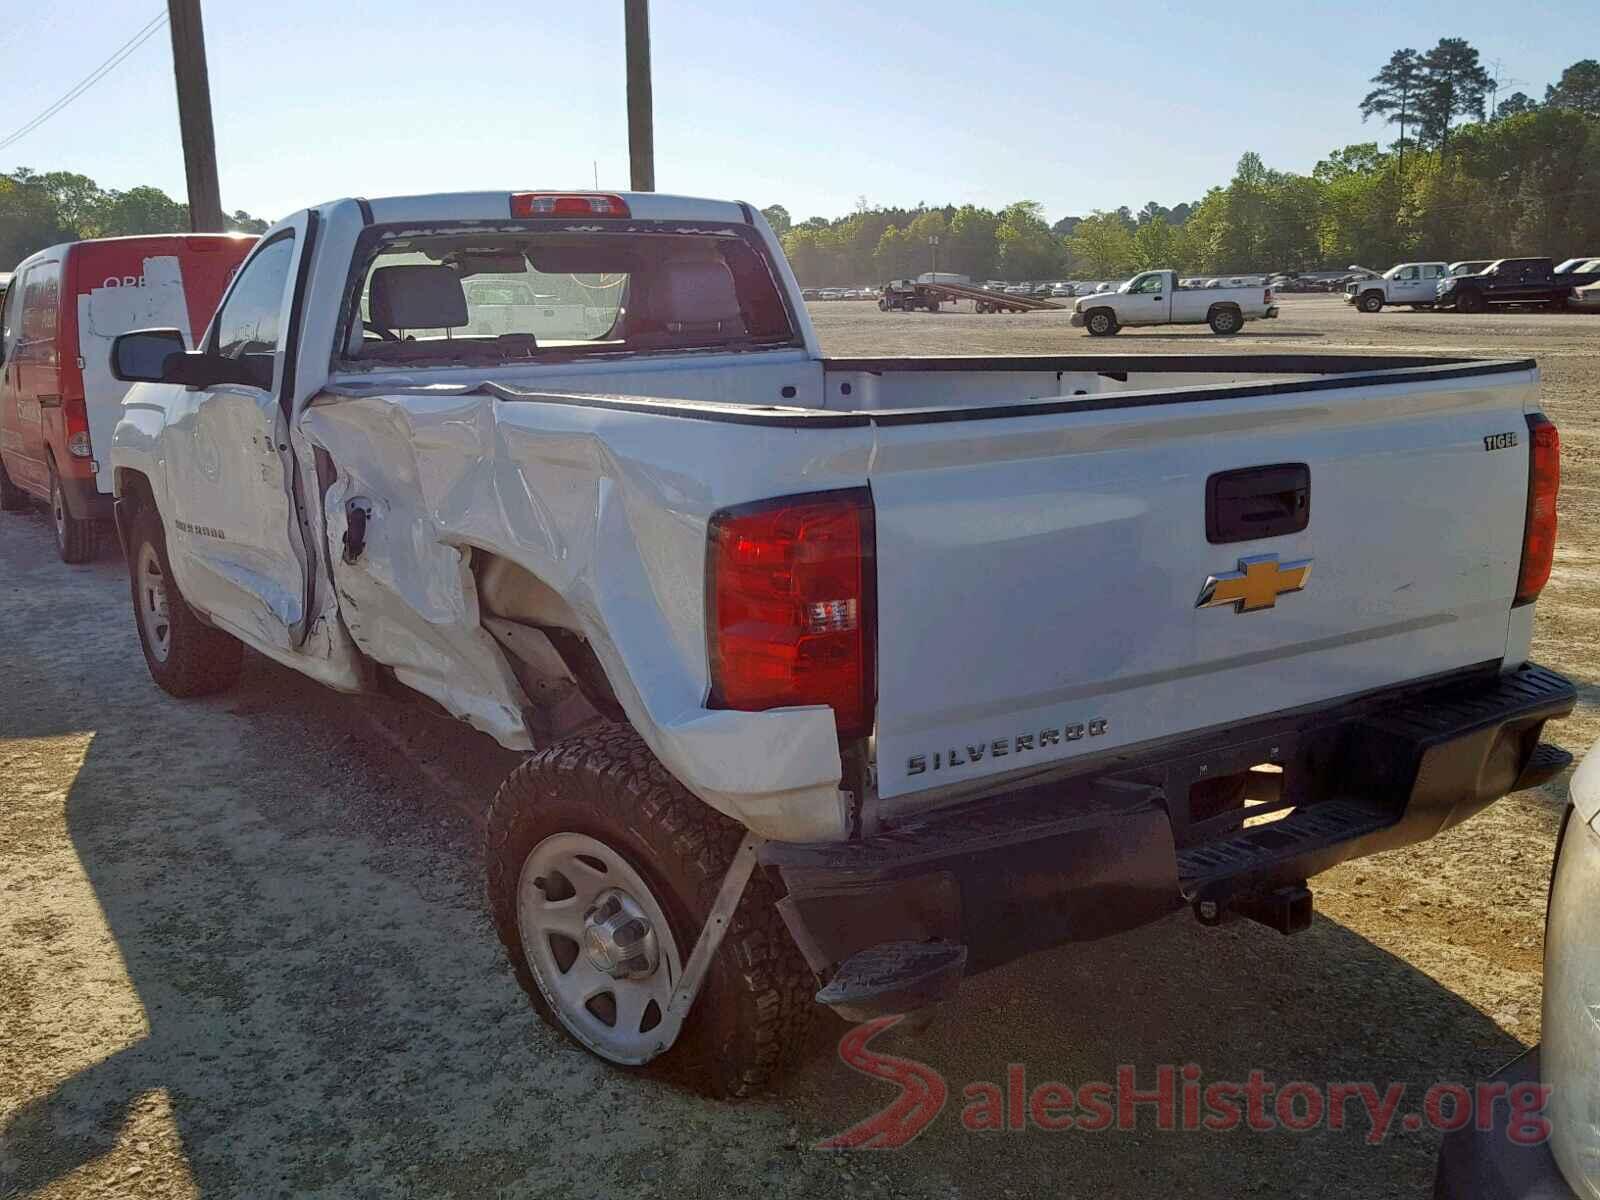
[[1159, 298], [840, 678]]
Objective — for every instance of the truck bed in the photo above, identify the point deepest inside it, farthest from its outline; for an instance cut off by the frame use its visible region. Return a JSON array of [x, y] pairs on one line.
[[1042, 544]]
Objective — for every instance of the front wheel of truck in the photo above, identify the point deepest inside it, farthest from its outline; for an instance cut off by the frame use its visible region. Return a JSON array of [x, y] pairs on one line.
[[602, 869], [186, 657]]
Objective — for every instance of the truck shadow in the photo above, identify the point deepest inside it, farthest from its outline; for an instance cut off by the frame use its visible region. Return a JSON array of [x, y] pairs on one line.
[[1201, 333], [327, 1011]]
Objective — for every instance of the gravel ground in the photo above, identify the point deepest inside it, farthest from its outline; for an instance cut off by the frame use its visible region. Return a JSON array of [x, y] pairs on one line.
[[244, 951]]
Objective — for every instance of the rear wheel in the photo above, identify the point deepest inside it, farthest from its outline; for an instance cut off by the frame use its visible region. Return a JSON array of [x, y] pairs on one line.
[[186, 657], [1102, 322], [1225, 321], [12, 497], [75, 539], [602, 871]]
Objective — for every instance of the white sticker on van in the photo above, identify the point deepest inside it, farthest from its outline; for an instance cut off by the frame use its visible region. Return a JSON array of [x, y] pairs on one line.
[[152, 300]]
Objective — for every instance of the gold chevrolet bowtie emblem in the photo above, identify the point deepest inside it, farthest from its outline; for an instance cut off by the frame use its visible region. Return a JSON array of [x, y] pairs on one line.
[[1257, 584]]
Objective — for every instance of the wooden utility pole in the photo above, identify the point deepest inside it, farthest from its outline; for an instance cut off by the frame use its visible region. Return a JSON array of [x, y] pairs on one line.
[[194, 115], [641, 118]]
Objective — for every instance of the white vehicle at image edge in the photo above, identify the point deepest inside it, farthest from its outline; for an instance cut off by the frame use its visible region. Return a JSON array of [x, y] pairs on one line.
[[840, 678], [1156, 298], [1545, 1143], [1416, 284]]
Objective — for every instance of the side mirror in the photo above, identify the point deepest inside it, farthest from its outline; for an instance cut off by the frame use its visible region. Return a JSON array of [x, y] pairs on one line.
[[158, 356], [141, 356]]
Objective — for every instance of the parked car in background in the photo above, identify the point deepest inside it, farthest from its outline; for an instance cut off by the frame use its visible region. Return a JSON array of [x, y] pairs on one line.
[[1587, 298], [1153, 298], [1062, 289], [58, 399], [1416, 284], [1576, 264], [1512, 281], [1554, 1087], [1470, 266]]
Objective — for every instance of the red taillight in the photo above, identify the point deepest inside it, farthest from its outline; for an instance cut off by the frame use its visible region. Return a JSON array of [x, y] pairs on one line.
[[567, 204], [1266, 296], [789, 606], [76, 426], [1539, 533]]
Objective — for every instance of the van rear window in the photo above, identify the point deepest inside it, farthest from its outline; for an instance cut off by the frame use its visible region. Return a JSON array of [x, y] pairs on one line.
[[453, 297]]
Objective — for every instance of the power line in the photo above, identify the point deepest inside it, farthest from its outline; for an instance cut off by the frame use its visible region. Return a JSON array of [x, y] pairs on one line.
[[123, 51]]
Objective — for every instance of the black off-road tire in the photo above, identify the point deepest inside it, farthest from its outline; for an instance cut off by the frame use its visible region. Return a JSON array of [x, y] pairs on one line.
[[201, 661], [1471, 301], [756, 1002], [12, 498], [1370, 302], [76, 541], [1225, 321], [1106, 321]]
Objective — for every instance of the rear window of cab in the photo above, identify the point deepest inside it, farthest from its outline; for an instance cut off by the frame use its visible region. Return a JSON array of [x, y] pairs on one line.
[[547, 291]]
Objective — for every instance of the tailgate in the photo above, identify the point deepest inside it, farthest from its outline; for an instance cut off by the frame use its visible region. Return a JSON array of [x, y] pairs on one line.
[[1040, 576]]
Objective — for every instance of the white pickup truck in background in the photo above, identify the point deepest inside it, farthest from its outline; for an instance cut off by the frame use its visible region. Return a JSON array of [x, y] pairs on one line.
[[860, 674], [1416, 284], [1158, 298]]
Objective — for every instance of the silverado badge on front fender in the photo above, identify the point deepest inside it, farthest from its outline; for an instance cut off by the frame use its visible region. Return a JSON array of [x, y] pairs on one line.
[[1257, 584]]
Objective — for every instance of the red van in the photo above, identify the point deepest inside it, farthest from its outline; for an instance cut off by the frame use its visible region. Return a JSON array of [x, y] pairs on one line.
[[58, 401]]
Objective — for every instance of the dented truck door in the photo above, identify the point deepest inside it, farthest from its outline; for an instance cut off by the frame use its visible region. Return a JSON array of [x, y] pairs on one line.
[[234, 530]]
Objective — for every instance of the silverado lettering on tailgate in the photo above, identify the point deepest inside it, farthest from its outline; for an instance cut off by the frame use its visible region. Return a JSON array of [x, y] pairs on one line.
[[917, 764]]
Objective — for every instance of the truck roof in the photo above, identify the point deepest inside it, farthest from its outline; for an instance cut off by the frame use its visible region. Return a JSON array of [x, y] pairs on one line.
[[480, 206]]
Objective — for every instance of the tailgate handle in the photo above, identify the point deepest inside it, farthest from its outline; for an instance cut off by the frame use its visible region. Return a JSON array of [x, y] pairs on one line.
[[1257, 502]]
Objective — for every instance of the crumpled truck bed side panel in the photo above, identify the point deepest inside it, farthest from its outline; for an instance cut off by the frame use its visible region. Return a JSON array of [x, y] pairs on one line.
[[608, 510]]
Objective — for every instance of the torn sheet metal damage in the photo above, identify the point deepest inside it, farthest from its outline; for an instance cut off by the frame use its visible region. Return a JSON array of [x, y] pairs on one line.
[[456, 485]]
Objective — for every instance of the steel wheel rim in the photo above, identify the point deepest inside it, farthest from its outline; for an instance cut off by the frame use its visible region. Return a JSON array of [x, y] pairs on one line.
[[155, 616], [580, 993], [1099, 323]]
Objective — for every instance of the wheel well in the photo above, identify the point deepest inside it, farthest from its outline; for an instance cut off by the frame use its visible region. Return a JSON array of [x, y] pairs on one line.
[[513, 593], [1221, 306], [133, 489]]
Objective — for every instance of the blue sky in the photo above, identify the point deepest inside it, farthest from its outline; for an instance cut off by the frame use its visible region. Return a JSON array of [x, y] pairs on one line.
[[1076, 105]]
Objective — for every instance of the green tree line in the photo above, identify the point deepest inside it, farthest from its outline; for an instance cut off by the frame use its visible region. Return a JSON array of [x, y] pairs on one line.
[[1464, 179], [39, 210]]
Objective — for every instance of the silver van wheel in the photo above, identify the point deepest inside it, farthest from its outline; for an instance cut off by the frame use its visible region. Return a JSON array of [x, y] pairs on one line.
[[154, 614], [598, 945]]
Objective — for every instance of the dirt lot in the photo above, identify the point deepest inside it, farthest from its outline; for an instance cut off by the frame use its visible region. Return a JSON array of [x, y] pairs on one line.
[[243, 946]]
